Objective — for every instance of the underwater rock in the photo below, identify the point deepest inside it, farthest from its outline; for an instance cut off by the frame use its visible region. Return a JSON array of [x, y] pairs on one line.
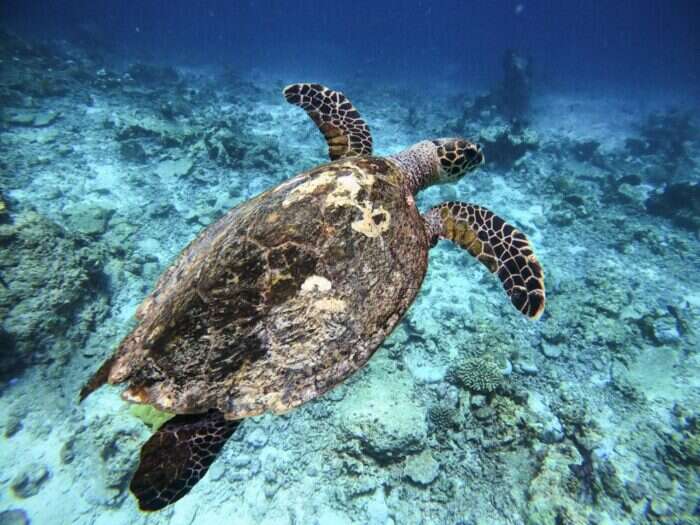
[[133, 131], [153, 74], [13, 424], [506, 145], [543, 421], [477, 374], [53, 290], [636, 195], [377, 509], [14, 517], [525, 367], [422, 469], [441, 417], [31, 119], [133, 151], [173, 169], [620, 381], [587, 151], [29, 481], [172, 109], [552, 493], [682, 443], [87, 219], [384, 419], [477, 401], [678, 202], [257, 438], [661, 327], [105, 448], [225, 147], [550, 350], [664, 135], [665, 330]]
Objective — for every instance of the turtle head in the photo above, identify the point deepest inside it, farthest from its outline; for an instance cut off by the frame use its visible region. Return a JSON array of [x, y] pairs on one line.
[[455, 157], [437, 161]]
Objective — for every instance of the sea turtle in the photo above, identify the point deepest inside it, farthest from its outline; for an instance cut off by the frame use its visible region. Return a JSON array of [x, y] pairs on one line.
[[292, 291]]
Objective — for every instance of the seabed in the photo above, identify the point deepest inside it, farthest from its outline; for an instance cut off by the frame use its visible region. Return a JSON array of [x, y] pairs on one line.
[[468, 414]]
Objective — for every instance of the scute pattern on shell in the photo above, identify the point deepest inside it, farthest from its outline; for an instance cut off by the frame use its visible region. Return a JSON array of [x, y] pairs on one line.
[[282, 298]]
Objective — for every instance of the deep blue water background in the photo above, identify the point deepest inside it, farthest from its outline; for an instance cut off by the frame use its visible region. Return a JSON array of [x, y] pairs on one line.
[[575, 43]]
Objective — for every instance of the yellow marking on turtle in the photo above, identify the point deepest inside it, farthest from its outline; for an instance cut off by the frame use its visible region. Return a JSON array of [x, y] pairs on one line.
[[316, 283], [331, 304], [374, 222], [348, 187], [308, 188]]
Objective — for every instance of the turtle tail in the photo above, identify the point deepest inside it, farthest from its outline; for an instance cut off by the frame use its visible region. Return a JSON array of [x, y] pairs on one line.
[[98, 379], [177, 456]]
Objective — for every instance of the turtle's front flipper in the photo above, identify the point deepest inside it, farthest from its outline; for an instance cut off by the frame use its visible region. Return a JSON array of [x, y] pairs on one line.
[[497, 245], [177, 456], [346, 133]]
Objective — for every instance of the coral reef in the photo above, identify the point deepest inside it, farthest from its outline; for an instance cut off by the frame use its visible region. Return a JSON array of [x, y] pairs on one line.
[[679, 202], [552, 493], [508, 143], [664, 136], [441, 417], [53, 291], [478, 374]]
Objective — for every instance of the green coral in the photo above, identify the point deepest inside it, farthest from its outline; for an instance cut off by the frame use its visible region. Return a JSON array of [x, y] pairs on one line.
[[151, 417], [478, 374]]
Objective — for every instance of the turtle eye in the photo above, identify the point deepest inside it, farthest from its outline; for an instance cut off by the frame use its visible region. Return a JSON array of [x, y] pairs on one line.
[[478, 147]]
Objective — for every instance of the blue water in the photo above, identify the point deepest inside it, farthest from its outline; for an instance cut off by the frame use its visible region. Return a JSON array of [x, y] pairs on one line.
[[126, 128]]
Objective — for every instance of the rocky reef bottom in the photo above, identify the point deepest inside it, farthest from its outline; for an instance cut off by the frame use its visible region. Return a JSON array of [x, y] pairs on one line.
[[468, 414]]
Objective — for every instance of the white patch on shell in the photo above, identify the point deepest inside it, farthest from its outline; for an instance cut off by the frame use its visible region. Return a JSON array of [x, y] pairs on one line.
[[346, 191], [316, 283], [330, 304], [367, 225], [308, 188], [347, 188]]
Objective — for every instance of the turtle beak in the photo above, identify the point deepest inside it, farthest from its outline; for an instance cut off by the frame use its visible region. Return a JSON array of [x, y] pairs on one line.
[[477, 157]]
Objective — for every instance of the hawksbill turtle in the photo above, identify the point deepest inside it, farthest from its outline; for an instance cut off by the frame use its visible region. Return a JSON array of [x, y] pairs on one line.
[[292, 291]]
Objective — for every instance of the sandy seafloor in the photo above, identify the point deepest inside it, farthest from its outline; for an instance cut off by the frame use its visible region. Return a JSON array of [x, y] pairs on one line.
[[594, 417]]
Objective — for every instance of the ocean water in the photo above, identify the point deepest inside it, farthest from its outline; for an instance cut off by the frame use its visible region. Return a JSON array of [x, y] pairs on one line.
[[127, 128]]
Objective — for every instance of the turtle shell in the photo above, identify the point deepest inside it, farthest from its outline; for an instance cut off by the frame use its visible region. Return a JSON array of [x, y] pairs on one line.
[[282, 298]]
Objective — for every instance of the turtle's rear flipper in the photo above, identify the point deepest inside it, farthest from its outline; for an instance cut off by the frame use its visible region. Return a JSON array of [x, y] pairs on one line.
[[177, 456], [498, 246]]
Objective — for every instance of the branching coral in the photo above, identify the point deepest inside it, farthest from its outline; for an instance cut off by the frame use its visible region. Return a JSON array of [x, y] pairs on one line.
[[440, 416], [478, 374]]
